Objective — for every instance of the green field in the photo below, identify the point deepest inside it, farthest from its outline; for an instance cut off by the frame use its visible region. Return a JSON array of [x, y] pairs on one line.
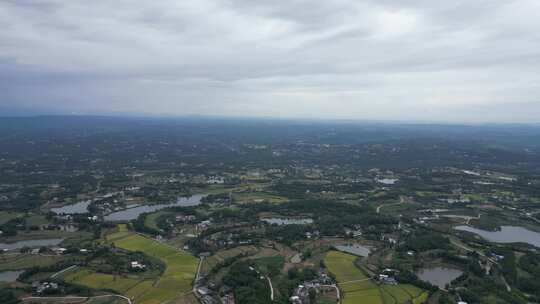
[[254, 197], [6, 216], [342, 266], [151, 219], [96, 280], [174, 282], [36, 220], [357, 288]]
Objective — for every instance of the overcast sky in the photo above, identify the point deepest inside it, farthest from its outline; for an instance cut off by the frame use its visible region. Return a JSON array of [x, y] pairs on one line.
[[451, 61]]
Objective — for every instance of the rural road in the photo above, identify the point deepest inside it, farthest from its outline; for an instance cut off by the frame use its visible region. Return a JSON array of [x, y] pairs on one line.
[[62, 271], [197, 277], [76, 298], [271, 288], [355, 281]]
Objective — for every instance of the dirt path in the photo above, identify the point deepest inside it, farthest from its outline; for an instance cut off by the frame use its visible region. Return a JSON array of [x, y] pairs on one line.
[[75, 298], [271, 288]]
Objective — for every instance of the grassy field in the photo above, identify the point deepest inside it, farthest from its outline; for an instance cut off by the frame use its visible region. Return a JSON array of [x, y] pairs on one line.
[[96, 280], [342, 266], [151, 219], [36, 220], [255, 197], [173, 284], [357, 288], [6, 216]]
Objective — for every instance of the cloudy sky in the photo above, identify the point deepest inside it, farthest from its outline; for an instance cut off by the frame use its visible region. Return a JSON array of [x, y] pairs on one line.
[[461, 61]]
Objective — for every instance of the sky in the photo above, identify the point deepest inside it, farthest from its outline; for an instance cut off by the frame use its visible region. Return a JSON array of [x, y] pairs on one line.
[[404, 60]]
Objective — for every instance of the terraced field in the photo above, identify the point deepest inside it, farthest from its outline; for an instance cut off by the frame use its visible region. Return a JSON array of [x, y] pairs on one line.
[[356, 287], [173, 284]]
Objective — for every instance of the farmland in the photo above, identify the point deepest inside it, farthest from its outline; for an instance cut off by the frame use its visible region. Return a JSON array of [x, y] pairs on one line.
[[281, 212], [96, 280], [172, 284], [358, 288]]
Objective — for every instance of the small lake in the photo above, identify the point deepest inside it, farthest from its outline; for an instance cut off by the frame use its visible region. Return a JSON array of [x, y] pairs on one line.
[[387, 181], [438, 276], [77, 208], [507, 234], [287, 221], [355, 249], [31, 244], [9, 276], [133, 213]]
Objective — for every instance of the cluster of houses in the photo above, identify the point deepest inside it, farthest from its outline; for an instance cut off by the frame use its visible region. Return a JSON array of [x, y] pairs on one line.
[[137, 265], [185, 218], [44, 287], [301, 294], [387, 276], [206, 295], [202, 226]]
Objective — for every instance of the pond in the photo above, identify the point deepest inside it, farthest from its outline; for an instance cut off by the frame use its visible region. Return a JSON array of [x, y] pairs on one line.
[[9, 276], [507, 234], [438, 276], [287, 221], [387, 181], [30, 243], [355, 249], [77, 208], [133, 213]]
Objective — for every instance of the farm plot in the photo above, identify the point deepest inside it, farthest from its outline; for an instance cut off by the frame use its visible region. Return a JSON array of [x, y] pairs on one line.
[[358, 288], [96, 280], [180, 266], [355, 285], [173, 284]]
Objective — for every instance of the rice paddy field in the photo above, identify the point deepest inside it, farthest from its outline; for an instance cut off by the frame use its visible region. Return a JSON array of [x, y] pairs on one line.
[[356, 287], [173, 284]]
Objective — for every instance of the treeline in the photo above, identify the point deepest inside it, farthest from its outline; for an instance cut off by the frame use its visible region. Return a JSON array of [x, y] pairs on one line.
[[424, 240], [248, 285]]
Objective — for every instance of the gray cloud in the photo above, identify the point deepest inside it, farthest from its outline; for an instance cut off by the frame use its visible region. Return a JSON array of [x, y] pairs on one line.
[[468, 61]]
